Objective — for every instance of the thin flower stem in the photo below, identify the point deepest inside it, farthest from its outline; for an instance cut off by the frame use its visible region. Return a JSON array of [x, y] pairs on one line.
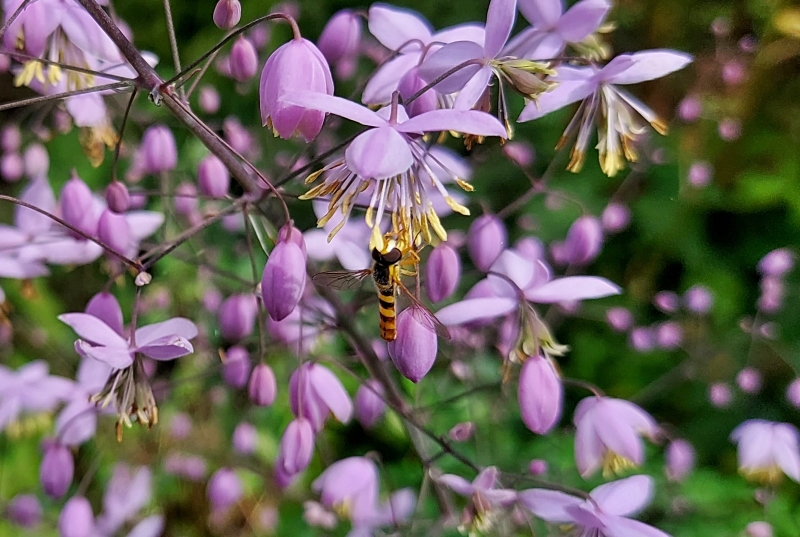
[[13, 17], [66, 66], [199, 76], [118, 145], [262, 318], [64, 95], [536, 188], [173, 42], [585, 385], [135, 265], [441, 77]]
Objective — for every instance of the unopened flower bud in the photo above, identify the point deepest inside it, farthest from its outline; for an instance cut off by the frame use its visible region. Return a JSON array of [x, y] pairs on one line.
[[667, 301], [37, 161], [408, 86], [537, 467], [777, 262], [263, 387], [669, 335], [540, 394], [759, 529], [414, 350], [237, 317], [24, 510], [461, 432], [209, 99], [180, 426], [520, 153], [698, 299], [642, 339], [243, 60], [185, 199], [729, 129], [720, 395], [486, 239], [615, 217], [620, 319], [700, 174], [369, 404], [680, 460], [442, 272], [690, 108], [224, 489], [297, 447], [793, 393], [10, 139], [245, 437], [526, 77], [77, 206], [160, 154], [749, 380], [227, 14], [284, 278], [114, 231], [236, 368], [11, 167], [76, 518], [583, 242], [213, 177], [341, 36], [117, 197], [56, 470]]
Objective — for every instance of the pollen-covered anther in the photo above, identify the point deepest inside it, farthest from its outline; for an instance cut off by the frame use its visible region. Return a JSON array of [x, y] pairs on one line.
[[614, 464]]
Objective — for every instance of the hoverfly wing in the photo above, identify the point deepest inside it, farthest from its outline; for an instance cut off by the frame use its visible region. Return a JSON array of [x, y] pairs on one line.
[[426, 316], [341, 279]]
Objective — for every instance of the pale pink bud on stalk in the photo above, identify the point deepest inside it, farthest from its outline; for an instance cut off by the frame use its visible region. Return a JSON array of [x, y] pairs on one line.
[[37, 161], [227, 14], [520, 153], [245, 438], [615, 217], [642, 339], [408, 86], [540, 394], [680, 460], [341, 36], [236, 367], [24, 510], [237, 317], [698, 299], [583, 242], [352, 481], [284, 277], [733, 73], [224, 489], [114, 231], [243, 60], [759, 529], [180, 426], [76, 518], [11, 167], [749, 380], [414, 350], [777, 263], [263, 387], [486, 240], [10, 139], [185, 200], [295, 66], [729, 129], [57, 469], [369, 404], [213, 177], [239, 137], [159, 152], [77, 206], [700, 174], [720, 395], [667, 301], [117, 197], [793, 393], [669, 335], [209, 99], [772, 291], [620, 319], [296, 448], [442, 272], [690, 108], [530, 248], [766, 450], [461, 432], [538, 467]]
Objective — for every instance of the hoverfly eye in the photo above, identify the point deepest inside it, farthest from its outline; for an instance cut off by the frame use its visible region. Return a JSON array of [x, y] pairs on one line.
[[393, 256], [377, 255]]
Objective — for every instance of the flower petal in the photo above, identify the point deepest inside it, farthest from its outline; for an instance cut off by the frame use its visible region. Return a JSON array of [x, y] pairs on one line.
[[541, 13], [328, 388], [626, 527], [395, 27], [582, 19], [624, 497], [94, 330], [457, 483], [116, 357], [467, 121], [648, 65], [499, 21], [572, 288], [335, 105], [567, 92], [474, 309], [386, 78], [448, 57], [549, 505], [177, 326], [472, 91], [379, 153], [173, 347]]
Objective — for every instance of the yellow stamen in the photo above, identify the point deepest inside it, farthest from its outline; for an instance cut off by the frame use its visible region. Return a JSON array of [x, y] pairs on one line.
[[457, 207]]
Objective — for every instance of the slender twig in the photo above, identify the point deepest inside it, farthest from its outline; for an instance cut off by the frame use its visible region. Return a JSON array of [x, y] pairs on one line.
[[64, 95], [118, 145], [173, 42], [262, 317]]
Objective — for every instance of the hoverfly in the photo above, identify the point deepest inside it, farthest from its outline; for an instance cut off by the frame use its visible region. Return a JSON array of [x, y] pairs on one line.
[[389, 259]]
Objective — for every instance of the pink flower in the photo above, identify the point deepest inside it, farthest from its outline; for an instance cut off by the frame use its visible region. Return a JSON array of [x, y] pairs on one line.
[[540, 394], [767, 449], [315, 393], [608, 434]]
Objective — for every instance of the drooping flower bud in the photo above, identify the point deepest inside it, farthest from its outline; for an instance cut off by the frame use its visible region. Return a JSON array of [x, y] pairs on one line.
[[690, 108], [759, 528], [76, 518], [620, 319], [284, 277], [77, 206], [224, 489], [540, 394], [37, 161], [414, 350], [520, 153], [160, 154], [209, 99], [700, 174], [227, 14], [680, 460], [263, 387], [369, 403], [117, 197], [793, 393], [10, 139], [315, 393], [114, 231], [749, 380], [245, 437], [461, 432], [720, 395], [213, 177], [297, 447], [56, 470], [237, 317], [667, 301], [442, 272], [486, 239], [777, 262], [698, 299], [295, 66], [243, 60], [583, 241], [11, 167], [341, 36], [24, 510], [669, 335], [537, 466], [615, 217], [642, 339], [408, 86], [185, 199], [236, 368]]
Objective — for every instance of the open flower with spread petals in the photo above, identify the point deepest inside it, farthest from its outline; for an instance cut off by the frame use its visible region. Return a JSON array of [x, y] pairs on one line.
[[608, 434], [315, 393], [388, 157], [604, 514], [603, 102], [484, 497], [767, 450], [29, 389]]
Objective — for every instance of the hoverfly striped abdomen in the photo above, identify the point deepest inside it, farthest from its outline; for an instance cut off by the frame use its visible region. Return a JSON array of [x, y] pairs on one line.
[[384, 274]]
